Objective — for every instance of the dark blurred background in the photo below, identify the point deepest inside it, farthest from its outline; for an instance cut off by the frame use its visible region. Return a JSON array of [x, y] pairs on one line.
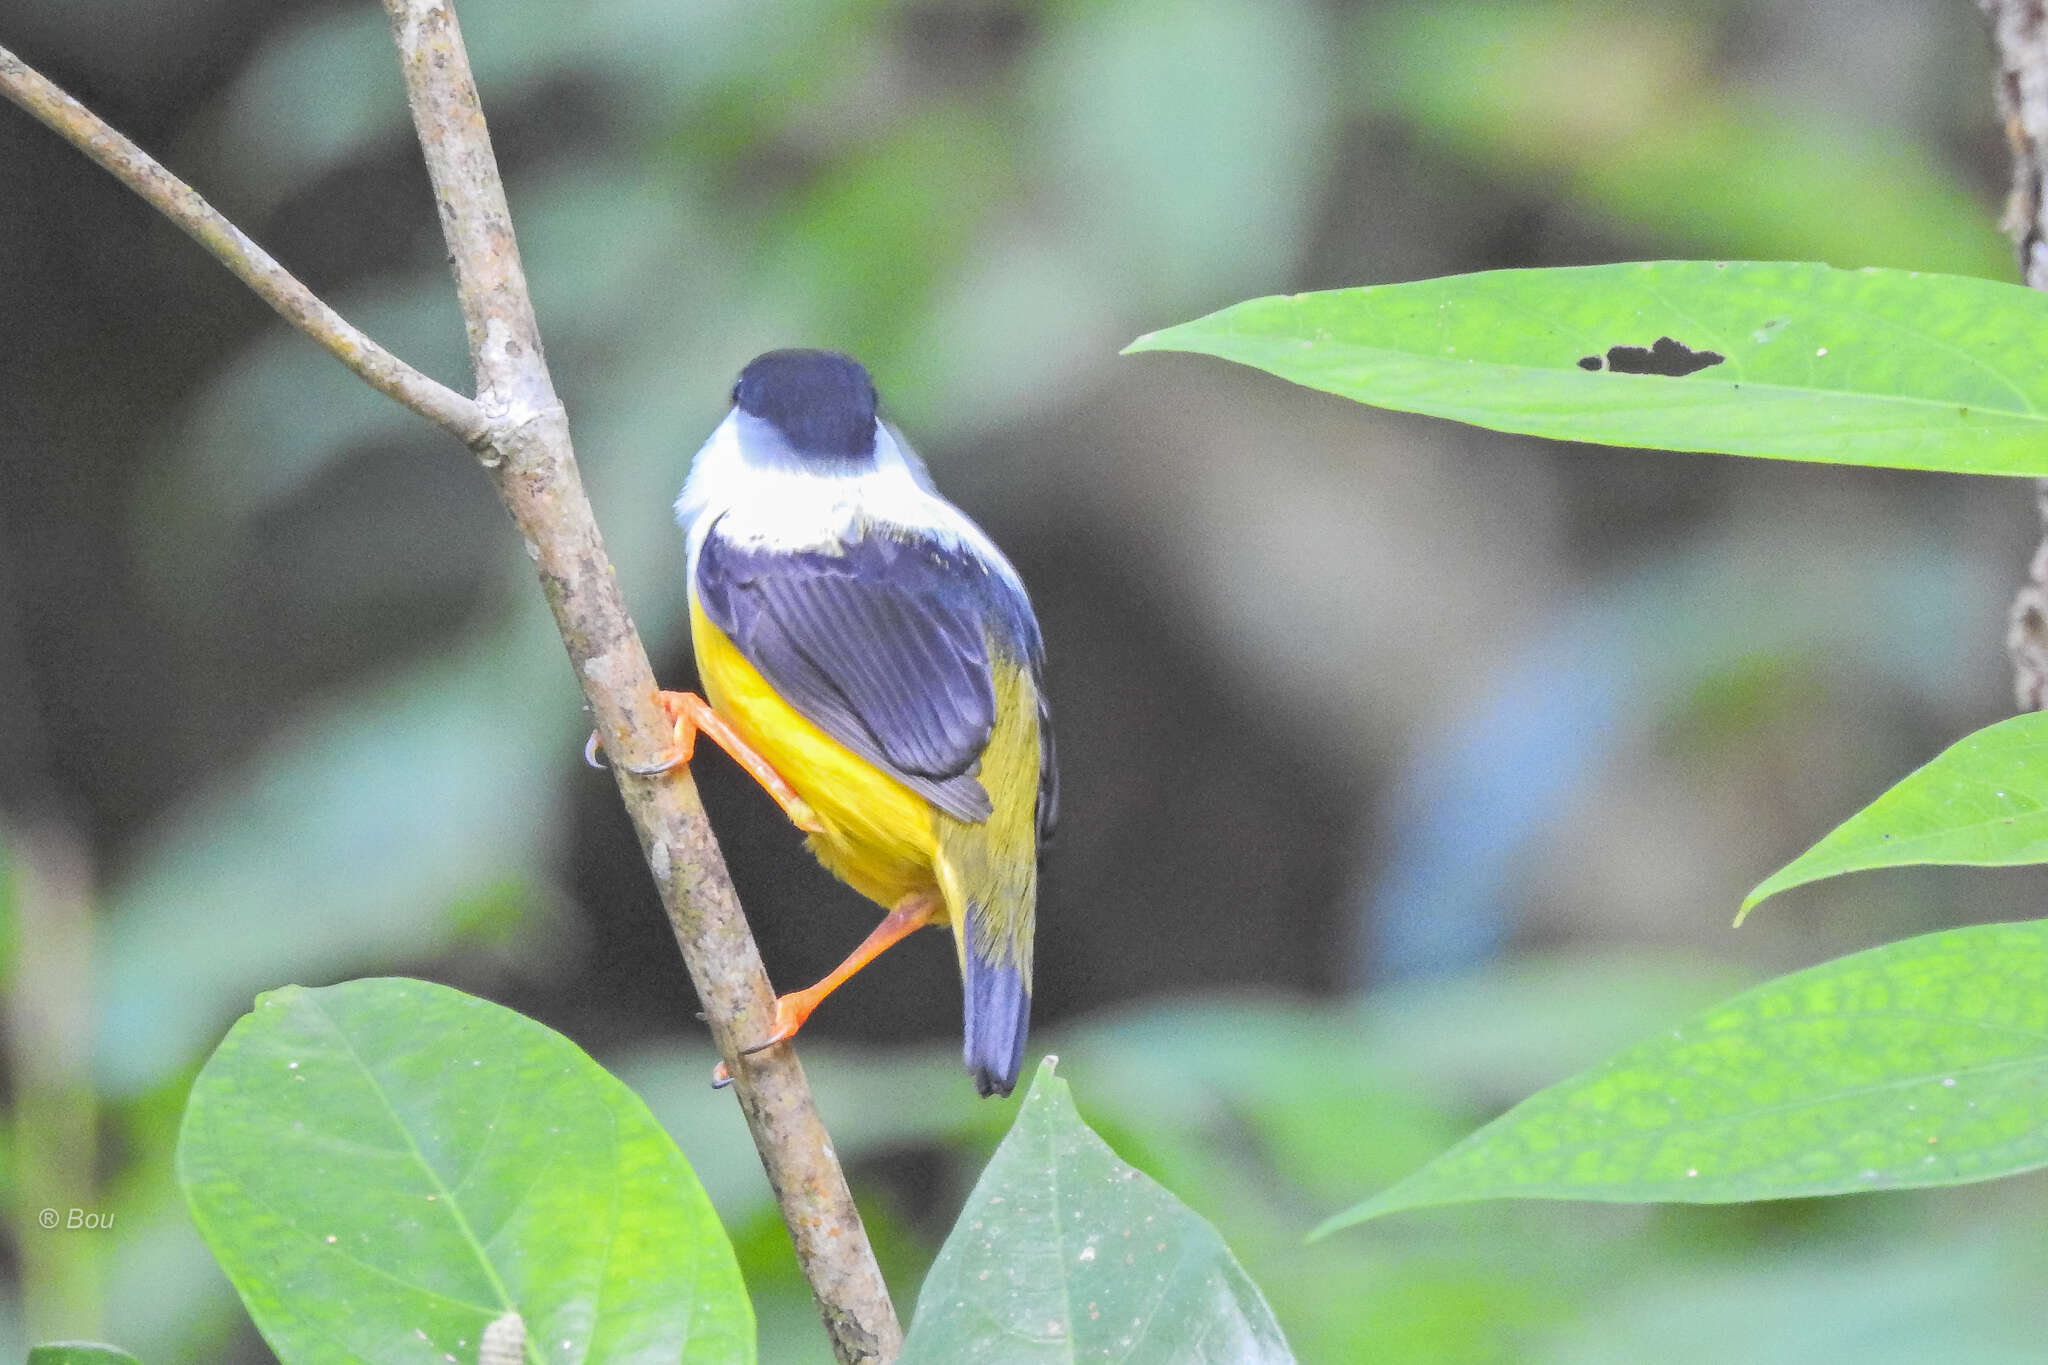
[[1408, 766]]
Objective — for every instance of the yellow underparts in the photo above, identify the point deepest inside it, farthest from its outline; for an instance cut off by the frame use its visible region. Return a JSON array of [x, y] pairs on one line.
[[881, 838]]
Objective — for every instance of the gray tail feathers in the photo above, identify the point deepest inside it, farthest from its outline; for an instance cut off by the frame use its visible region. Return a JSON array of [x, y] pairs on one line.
[[998, 1015]]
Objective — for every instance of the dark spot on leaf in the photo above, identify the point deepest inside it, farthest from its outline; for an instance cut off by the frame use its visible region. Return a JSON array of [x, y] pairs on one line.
[[1673, 359], [1589, 362]]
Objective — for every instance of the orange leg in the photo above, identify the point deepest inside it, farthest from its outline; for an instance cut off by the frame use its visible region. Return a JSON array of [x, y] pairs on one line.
[[793, 1009], [693, 715]]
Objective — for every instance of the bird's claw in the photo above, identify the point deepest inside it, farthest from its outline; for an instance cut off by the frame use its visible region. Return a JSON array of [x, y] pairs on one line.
[[658, 767], [790, 1014], [593, 754]]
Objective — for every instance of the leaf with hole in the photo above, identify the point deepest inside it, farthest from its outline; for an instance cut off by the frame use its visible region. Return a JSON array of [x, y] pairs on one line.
[[1064, 1253], [1782, 359], [385, 1167], [1924, 1062]]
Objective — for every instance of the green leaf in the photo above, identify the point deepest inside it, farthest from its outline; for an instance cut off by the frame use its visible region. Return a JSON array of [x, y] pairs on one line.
[[79, 1353], [384, 1167], [1982, 802], [1920, 1063], [1868, 367], [1064, 1253]]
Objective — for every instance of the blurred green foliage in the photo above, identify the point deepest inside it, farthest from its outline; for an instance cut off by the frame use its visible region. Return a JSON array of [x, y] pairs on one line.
[[1626, 105], [984, 200]]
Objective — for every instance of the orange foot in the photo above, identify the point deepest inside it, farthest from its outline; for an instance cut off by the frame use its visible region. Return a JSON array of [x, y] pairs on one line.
[[691, 714], [793, 1009], [790, 1012]]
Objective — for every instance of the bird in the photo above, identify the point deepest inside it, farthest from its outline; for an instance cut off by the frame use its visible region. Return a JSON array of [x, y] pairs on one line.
[[872, 659]]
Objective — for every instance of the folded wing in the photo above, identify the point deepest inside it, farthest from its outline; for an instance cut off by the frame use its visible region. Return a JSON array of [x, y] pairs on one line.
[[883, 644]]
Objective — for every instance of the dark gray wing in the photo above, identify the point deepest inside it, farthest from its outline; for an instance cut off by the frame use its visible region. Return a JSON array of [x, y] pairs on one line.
[[884, 645]]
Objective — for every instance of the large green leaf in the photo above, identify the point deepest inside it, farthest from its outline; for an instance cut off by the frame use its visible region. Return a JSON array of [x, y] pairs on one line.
[[385, 1167], [1788, 360], [1923, 1062], [1064, 1253], [79, 1353], [1982, 802]]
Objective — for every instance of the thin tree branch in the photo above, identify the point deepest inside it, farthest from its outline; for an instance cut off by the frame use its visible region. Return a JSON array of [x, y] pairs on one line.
[[537, 479], [2019, 31], [228, 244], [519, 428]]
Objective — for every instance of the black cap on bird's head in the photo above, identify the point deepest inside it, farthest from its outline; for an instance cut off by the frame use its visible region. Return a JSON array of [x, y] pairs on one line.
[[822, 402]]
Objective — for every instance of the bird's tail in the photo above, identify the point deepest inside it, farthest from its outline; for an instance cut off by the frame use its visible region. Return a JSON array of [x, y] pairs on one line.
[[988, 872], [998, 1008]]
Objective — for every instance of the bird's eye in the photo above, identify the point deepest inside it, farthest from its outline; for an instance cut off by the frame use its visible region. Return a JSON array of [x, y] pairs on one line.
[[735, 395]]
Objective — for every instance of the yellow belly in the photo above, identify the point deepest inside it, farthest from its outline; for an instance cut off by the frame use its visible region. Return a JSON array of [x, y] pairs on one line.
[[880, 837]]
